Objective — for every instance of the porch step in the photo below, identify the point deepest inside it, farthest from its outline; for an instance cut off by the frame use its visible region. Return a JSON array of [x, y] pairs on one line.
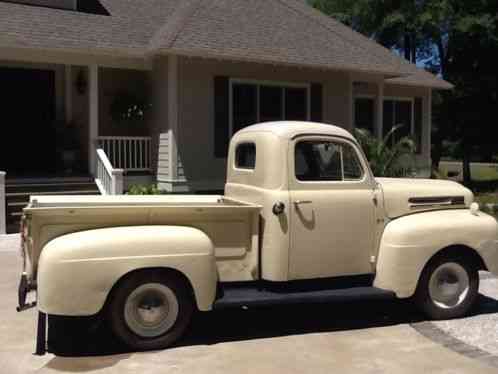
[[44, 193], [48, 187], [18, 193]]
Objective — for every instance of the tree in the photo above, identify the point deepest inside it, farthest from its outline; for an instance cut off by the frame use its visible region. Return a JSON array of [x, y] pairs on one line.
[[456, 39]]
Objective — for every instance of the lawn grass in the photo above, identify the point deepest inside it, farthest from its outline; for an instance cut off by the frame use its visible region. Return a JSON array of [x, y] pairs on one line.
[[485, 199], [479, 172]]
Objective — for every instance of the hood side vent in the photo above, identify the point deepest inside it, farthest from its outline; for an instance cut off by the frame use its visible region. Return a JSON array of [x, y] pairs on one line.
[[436, 201]]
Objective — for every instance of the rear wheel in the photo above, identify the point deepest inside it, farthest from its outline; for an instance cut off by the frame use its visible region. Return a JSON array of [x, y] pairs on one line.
[[448, 287], [150, 310]]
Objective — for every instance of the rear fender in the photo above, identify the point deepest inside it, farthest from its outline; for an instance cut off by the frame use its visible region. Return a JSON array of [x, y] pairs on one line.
[[409, 242], [77, 271]]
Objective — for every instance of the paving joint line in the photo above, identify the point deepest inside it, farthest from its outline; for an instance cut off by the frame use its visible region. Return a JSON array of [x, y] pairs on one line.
[[437, 335]]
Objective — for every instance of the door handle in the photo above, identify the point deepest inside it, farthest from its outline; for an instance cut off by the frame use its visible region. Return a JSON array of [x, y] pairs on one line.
[[300, 202]]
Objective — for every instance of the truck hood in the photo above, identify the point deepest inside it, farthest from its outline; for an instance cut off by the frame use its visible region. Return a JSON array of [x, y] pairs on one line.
[[407, 196]]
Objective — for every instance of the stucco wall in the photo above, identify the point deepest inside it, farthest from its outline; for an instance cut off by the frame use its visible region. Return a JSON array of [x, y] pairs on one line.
[[196, 112], [196, 122]]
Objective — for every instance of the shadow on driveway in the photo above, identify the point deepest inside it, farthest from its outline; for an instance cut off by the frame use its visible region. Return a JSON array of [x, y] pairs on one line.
[[80, 337]]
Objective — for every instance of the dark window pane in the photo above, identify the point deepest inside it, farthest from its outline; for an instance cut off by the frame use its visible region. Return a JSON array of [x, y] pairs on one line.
[[270, 103], [364, 114], [388, 117], [244, 106], [245, 156], [296, 104], [403, 118], [318, 161]]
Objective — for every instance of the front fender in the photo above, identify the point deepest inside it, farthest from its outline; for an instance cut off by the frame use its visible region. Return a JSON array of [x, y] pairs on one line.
[[77, 271], [409, 242]]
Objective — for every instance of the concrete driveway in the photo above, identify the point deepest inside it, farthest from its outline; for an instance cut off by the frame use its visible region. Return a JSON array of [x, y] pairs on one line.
[[367, 337]]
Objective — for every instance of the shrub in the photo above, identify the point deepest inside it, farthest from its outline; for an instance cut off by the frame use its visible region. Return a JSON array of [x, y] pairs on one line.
[[388, 157], [151, 189]]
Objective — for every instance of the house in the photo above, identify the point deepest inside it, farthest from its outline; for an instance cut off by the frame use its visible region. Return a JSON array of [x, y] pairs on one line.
[[161, 85]]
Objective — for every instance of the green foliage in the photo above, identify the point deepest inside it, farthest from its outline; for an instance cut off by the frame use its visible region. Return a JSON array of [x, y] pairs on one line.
[[456, 39], [388, 157], [139, 189]]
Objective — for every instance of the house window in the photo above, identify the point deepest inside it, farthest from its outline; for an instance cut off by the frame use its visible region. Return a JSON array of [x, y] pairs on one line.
[[397, 111], [326, 161], [253, 102], [364, 113]]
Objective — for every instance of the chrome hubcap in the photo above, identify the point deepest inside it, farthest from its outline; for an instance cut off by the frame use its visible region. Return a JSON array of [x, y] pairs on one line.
[[151, 310], [449, 285]]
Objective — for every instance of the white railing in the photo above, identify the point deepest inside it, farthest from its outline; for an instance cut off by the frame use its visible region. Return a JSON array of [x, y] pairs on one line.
[[3, 218], [108, 180], [128, 153]]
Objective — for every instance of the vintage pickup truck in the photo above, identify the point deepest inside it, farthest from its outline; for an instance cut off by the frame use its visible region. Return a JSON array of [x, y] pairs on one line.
[[302, 220]]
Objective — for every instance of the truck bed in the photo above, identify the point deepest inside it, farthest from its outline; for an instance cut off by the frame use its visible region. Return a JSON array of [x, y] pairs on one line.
[[232, 225]]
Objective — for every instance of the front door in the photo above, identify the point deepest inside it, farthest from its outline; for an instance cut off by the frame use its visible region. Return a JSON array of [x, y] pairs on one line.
[[27, 133], [332, 209]]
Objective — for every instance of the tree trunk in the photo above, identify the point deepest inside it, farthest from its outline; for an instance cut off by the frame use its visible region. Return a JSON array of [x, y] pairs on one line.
[[436, 153], [414, 49], [467, 177], [440, 133], [407, 47]]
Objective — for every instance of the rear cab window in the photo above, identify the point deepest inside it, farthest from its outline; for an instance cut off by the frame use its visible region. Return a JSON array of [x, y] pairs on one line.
[[245, 156]]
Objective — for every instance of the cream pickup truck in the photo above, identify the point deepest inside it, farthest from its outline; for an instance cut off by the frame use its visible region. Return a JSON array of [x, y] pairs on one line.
[[302, 220]]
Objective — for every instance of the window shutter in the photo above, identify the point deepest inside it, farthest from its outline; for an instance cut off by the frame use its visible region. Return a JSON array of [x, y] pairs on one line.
[[316, 110], [221, 116]]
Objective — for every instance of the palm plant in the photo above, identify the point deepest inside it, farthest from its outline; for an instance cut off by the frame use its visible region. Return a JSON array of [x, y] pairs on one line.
[[388, 157]]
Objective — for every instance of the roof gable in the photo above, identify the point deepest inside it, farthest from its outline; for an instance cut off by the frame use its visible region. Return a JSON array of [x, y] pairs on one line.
[[277, 31]]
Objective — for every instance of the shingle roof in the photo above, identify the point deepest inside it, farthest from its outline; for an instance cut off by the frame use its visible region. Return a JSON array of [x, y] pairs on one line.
[[129, 28], [421, 78], [269, 31]]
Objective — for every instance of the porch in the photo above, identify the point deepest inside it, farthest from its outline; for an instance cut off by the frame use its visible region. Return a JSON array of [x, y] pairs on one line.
[[55, 119], [57, 115]]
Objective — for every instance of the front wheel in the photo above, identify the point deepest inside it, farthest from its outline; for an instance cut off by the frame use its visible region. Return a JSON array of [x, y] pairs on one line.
[[448, 287], [150, 310]]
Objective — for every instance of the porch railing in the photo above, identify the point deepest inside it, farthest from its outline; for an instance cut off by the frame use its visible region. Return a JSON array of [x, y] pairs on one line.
[[3, 218], [128, 153], [108, 180]]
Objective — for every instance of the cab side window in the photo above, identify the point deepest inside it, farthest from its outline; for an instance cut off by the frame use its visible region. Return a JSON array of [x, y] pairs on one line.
[[317, 160]]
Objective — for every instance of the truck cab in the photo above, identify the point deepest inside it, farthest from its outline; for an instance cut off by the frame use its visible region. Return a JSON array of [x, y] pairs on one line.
[[303, 219], [328, 204]]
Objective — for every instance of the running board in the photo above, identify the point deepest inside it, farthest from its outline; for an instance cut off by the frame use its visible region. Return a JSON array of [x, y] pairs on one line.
[[252, 296]]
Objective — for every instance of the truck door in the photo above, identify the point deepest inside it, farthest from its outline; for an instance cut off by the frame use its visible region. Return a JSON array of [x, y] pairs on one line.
[[332, 209]]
